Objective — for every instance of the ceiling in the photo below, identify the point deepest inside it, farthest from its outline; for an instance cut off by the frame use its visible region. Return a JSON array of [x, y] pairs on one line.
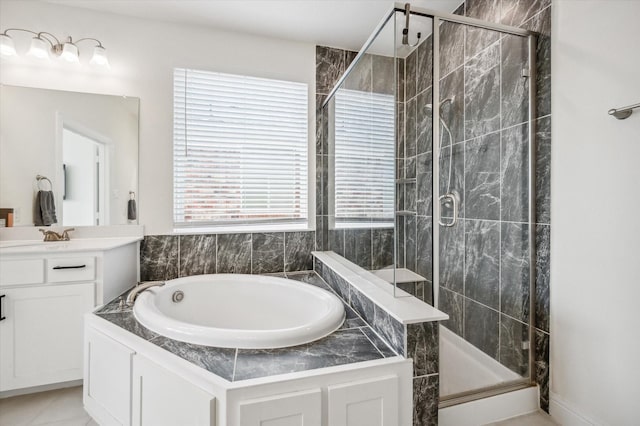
[[338, 23]]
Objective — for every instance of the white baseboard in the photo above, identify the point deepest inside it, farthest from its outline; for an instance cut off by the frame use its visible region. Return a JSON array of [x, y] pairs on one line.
[[492, 409], [566, 414]]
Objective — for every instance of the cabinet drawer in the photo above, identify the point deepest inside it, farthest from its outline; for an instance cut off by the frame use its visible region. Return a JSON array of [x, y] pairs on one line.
[[68, 269], [21, 271]]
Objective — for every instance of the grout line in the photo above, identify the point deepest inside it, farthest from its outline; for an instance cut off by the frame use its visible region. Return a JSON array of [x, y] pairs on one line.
[[426, 375], [371, 341], [500, 194]]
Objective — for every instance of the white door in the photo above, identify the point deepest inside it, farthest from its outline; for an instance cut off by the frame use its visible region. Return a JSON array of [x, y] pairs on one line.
[[293, 409], [41, 336], [161, 398], [364, 403]]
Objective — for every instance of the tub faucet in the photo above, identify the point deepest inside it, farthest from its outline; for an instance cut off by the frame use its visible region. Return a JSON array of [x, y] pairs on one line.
[[131, 297], [54, 236]]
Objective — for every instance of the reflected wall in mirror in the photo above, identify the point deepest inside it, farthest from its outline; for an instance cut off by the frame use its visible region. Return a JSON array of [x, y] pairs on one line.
[[85, 145]]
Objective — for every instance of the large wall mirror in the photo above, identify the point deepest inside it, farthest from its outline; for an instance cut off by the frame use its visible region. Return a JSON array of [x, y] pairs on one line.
[[82, 147]]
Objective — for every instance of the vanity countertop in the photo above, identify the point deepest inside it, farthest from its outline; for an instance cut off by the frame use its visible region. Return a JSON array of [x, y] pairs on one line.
[[353, 342], [9, 247]]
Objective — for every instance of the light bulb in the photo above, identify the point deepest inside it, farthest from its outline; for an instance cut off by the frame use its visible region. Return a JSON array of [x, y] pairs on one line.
[[39, 48], [7, 48], [70, 52], [99, 57]]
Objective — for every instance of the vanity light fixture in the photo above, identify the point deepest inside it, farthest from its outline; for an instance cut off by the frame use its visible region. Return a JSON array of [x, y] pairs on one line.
[[43, 44]]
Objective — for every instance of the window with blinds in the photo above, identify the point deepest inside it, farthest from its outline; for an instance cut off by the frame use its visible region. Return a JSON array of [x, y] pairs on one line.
[[364, 158], [239, 150]]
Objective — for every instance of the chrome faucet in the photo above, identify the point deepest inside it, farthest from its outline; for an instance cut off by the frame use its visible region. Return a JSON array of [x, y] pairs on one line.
[[131, 297], [54, 236]]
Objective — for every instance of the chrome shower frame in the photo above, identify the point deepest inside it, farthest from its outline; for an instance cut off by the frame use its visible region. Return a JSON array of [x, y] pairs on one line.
[[438, 17]]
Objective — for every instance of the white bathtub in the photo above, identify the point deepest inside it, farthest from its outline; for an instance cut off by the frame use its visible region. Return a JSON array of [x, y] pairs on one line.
[[240, 311]]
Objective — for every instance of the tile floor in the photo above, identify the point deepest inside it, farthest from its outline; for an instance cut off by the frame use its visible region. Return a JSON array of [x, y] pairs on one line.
[[62, 407], [534, 419]]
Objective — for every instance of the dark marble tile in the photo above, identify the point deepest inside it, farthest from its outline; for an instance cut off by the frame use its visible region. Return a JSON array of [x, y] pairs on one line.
[[400, 79], [127, 321], [400, 242], [325, 186], [422, 346], [482, 262], [357, 247], [459, 10], [400, 130], [409, 288], [478, 39], [541, 23], [427, 291], [410, 167], [410, 197], [319, 185], [426, 391], [339, 348], [514, 174], [297, 251], [424, 247], [481, 327], [453, 305], [411, 129], [452, 112], [336, 241], [382, 246], [424, 71], [514, 87], [336, 282], [451, 47], [411, 247], [543, 241], [320, 115], [359, 77], [268, 252], [452, 252], [515, 12], [352, 319], [330, 64], [312, 278], [378, 342], [424, 185], [482, 178], [362, 305], [482, 93], [411, 71], [234, 253], [424, 125], [514, 344], [452, 176], [541, 372], [543, 170], [349, 57], [197, 255], [322, 233], [159, 258], [389, 329], [514, 270], [219, 361], [382, 73]]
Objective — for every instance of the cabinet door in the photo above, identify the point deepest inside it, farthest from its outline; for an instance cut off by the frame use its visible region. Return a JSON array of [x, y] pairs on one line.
[[365, 403], [161, 398], [107, 379], [42, 334], [293, 409]]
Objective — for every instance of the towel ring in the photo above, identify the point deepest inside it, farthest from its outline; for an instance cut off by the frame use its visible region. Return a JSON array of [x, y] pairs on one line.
[[40, 178]]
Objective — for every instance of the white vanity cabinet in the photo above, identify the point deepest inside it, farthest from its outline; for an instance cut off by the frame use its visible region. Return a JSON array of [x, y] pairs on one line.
[[146, 385], [45, 290]]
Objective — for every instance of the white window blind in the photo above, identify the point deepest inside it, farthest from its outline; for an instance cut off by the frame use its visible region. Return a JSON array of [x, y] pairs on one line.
[[240, 149], [364, 157]]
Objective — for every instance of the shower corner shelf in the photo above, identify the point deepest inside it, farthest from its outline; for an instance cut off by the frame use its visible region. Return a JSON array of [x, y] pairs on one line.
[[406, 180], [405, 213]]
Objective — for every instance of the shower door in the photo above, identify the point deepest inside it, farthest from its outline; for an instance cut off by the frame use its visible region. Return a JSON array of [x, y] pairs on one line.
[[480, 119]]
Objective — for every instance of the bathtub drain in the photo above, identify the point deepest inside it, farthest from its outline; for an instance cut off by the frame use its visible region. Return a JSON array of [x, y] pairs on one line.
[[177, 296]]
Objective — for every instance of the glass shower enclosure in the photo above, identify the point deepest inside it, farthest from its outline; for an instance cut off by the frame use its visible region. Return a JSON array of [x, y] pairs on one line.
[[431, 141]]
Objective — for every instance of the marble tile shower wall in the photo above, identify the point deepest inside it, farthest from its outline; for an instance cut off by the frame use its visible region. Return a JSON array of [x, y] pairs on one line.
[[483, 260], [164, 257], [369, 248]]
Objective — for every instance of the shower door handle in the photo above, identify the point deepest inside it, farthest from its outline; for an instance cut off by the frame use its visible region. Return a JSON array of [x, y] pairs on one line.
[[454, 202]]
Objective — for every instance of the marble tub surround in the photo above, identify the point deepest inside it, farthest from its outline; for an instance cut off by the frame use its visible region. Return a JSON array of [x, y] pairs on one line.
[[164, 257], [354, 342]]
